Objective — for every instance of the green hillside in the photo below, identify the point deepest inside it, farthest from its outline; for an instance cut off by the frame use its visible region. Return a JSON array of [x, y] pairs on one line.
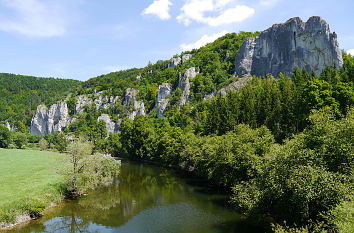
[[20, 95], [282, 147]]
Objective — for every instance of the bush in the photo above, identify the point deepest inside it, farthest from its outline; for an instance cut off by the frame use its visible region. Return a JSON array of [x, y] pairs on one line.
[[5, 136], [84, 171], [20, 140], [43, 144], [304, 178]]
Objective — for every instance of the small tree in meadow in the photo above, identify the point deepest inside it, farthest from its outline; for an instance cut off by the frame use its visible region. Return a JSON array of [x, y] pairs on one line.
[[43, 144]]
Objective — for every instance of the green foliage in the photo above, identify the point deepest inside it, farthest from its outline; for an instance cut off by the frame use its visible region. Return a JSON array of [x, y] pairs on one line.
[[84, 171], [342, 217], [43, 144], [5, 136], [20, 95], [19, 139], [57, 141], [306, 177]]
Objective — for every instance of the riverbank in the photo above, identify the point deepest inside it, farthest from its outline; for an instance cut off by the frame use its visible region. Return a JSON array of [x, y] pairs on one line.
[[29, 184]]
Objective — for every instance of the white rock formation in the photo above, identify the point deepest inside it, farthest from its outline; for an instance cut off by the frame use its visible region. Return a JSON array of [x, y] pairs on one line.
[[81, 101], [186, 57], [294, 43], [134, 107], [174, 62], [9, 127], [191, 72], [49, 121], [163, 92], [111, 126]]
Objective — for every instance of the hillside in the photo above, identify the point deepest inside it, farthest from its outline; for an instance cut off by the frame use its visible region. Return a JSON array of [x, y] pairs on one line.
[[280, 141], [20, 95]]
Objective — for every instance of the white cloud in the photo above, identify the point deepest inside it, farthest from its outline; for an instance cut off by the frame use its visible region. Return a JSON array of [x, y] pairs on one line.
[[195, 10], [268, 2], [231, 15], [351, 52], [202, 41], [34, 18], [160, 8]]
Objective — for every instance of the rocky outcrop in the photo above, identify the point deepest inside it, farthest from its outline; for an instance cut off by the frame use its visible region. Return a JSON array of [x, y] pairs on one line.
[[134, 107], [105, 102], [186, 57], [174, 62], [234, 86], [111, 126], [191, 72], [101, 102], [49, 121], [163, 92], [282, 47], [184, 84], [81, 101], [9, 127]]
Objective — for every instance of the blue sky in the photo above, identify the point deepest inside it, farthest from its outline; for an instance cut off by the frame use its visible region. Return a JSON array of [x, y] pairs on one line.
[[81, 39]]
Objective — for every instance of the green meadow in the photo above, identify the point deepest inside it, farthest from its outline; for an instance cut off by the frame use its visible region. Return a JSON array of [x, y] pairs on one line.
[[28, 182]]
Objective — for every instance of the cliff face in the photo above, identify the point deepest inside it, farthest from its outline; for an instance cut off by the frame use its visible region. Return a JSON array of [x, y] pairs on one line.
[[282, 47], [162, 100], [49, 121]]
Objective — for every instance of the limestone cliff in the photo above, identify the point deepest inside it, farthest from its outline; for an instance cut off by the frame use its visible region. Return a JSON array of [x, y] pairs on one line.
[[184, 84], [134, 107], [294, 43], [49, 121], [163, 92], [112, 127]]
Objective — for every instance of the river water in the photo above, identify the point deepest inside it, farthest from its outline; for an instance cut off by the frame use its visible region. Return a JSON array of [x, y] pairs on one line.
[[145, 199]]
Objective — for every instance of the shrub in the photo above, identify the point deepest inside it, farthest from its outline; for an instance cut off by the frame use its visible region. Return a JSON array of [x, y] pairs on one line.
[[43, 144], [5, 136], [20, 140]]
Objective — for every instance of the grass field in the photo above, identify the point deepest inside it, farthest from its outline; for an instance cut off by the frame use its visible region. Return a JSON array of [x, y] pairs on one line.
[[28, 182]]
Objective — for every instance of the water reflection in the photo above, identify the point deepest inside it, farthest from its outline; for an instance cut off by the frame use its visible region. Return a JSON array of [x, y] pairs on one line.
[[144, 199]]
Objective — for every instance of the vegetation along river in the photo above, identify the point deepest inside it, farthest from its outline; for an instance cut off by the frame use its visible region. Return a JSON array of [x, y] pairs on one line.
[[145, 198]]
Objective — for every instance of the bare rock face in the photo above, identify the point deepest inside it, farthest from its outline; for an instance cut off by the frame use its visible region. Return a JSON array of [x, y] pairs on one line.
[[81, 101], [111, 126], [294, 43], [105, 102], [9, 127], [186, 57], [163, 92], [134, 107], [174, 62], [191, 72], [49, 121], [185, 86], [101, 102]]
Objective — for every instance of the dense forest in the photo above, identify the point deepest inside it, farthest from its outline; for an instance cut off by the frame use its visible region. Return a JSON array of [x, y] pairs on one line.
[[282, 147], [20, 95]]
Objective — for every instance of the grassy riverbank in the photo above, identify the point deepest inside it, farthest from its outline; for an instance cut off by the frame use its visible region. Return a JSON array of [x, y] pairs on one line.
[[28, 182]]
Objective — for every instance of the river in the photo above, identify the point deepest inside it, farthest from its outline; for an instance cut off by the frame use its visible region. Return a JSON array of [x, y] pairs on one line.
[[145, 198]]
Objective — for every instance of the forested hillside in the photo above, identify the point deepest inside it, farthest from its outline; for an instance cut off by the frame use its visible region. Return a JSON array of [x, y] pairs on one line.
[[20, 95], [282, 147]]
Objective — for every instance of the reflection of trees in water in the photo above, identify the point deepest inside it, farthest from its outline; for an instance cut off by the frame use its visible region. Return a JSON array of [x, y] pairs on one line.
[[68, 224], [139, 187]]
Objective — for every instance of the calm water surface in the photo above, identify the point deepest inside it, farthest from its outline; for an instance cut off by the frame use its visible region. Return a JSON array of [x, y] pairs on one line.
[[147, 199]]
